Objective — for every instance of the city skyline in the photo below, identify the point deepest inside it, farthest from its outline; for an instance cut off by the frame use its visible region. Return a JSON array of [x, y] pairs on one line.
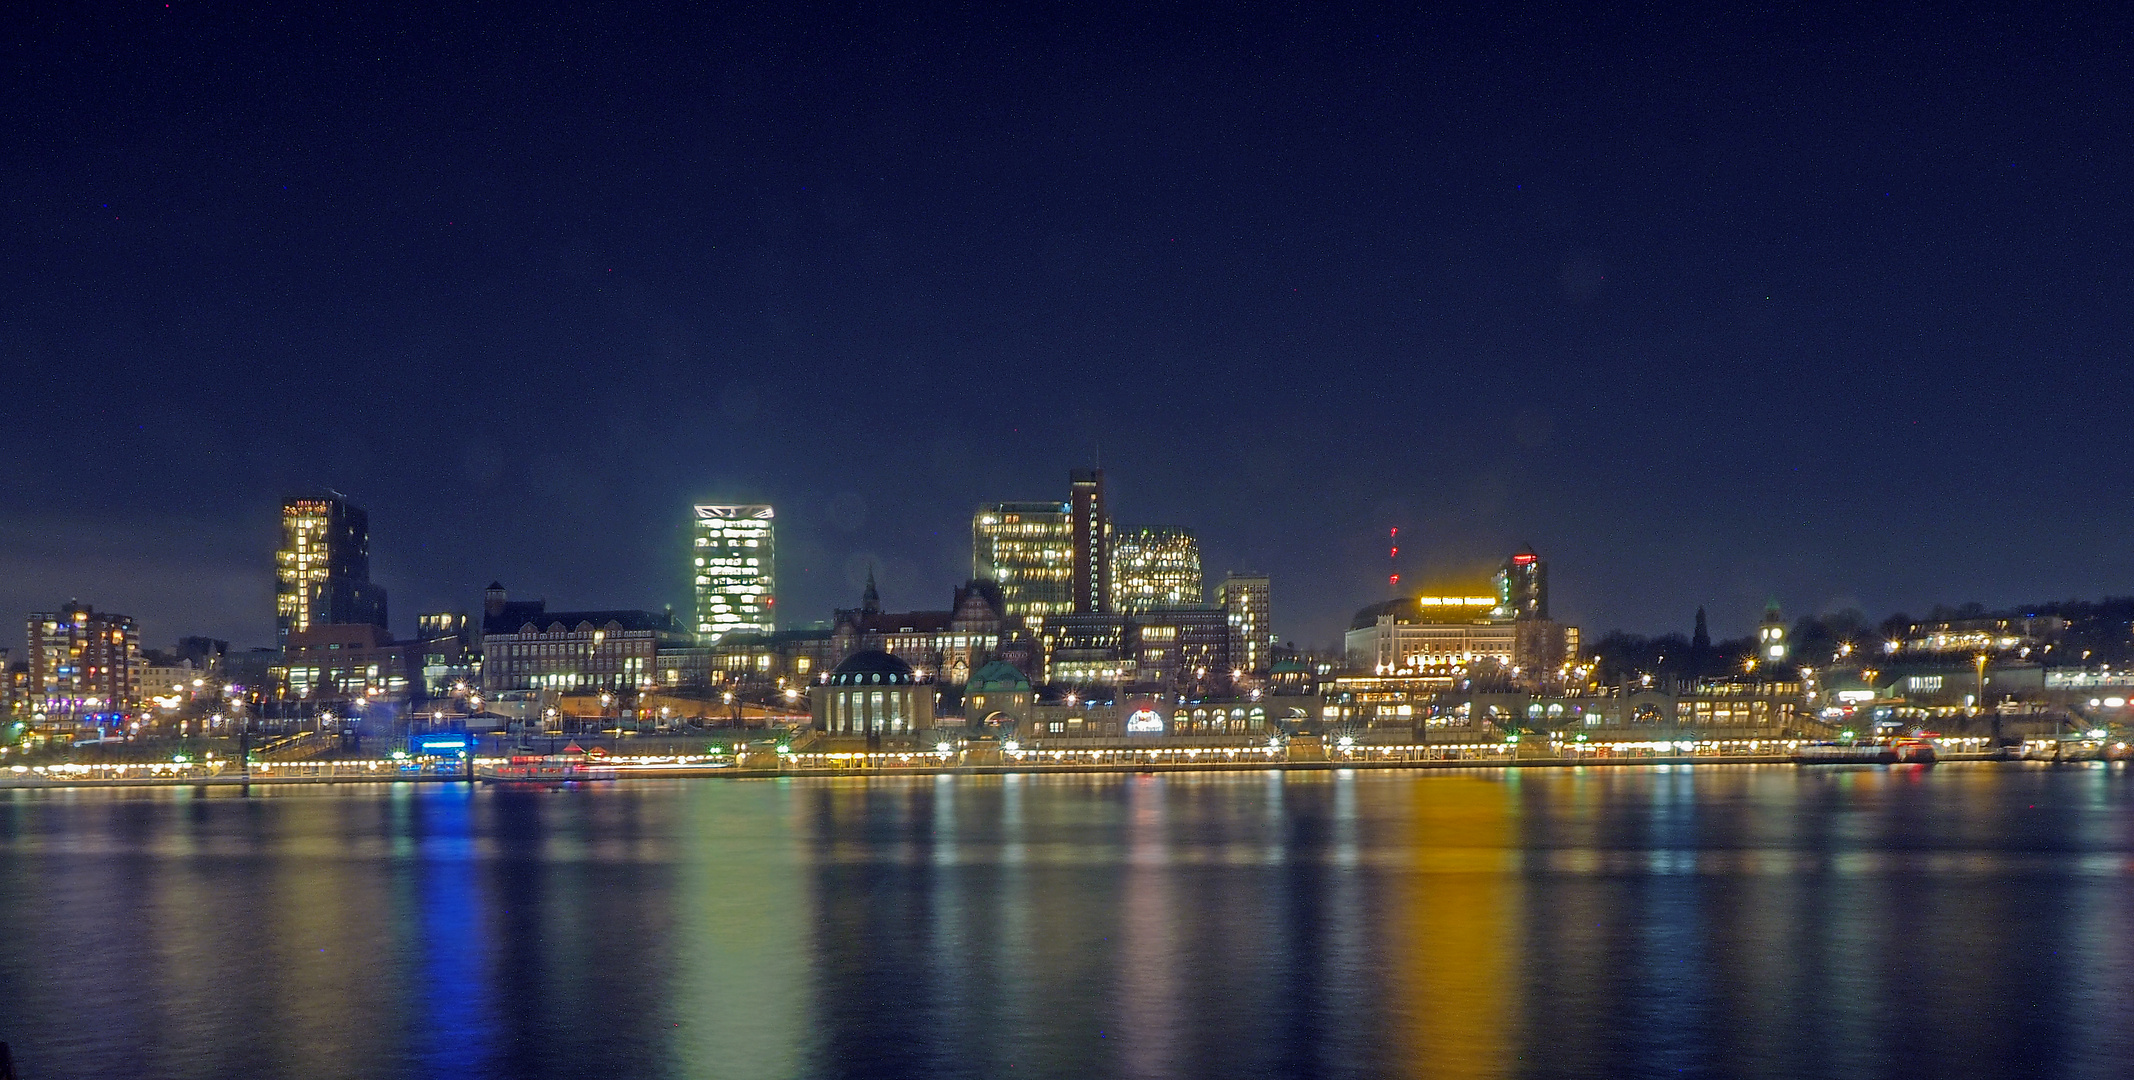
[[907, 583]]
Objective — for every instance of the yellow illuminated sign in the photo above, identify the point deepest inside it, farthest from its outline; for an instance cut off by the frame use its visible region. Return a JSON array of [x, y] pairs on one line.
[[1456, 601]]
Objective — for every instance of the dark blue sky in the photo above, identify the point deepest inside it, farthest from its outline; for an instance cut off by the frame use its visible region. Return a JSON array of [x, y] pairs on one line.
[[1707, 306]]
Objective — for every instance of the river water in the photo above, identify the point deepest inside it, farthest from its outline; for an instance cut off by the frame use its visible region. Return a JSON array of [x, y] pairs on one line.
[[1753, 921]]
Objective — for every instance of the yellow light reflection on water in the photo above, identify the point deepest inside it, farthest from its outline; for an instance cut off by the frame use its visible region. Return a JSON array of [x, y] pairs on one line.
[[1455, 936]]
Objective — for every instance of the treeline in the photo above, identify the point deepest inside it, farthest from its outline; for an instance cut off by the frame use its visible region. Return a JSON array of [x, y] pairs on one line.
[[2098, 631]]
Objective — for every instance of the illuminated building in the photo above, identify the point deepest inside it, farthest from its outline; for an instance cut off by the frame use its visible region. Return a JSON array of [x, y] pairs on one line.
[[1541, 646], [84, 665], [164, 676], [346, 662], [448, 656], [997, 695], [1089, 650], [872, 694], [751, 661], [943, 646], [1428, 634], [1026, 548], [1771, 647], [1092, 542], [322, 571], [1245, 598], [1523, 587], [527, 647], [734, 567], [1183, 648], [2024, 635], [1154, 567]]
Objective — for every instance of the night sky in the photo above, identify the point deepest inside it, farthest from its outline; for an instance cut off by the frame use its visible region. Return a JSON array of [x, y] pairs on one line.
[[1708, 307]]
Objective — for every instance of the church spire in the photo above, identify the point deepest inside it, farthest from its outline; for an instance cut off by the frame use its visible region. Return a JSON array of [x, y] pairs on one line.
[[871, 600]]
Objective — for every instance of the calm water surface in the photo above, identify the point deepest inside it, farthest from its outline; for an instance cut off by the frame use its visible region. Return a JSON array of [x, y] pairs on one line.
[[1969, 920]]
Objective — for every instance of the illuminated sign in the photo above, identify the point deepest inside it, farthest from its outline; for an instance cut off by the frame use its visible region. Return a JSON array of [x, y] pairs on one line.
[[1144, 722], [441, 744], [1456, 601], [1522, 560], [1856, 696]]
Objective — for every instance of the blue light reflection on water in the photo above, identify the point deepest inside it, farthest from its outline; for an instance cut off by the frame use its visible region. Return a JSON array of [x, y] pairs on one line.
[[1963, 921]]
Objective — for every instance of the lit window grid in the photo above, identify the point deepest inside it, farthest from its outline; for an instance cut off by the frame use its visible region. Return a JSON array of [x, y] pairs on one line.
[[1030, 554], [735, 576]]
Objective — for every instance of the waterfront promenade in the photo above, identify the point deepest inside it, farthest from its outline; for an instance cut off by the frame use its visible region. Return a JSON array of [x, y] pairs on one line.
[[988, 761]]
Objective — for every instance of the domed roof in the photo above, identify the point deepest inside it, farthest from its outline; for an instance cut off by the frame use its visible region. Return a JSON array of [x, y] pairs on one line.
[[871, 667], [998, 677], [1403, 609]]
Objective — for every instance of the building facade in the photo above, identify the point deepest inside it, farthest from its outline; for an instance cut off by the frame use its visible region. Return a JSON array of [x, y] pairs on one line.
[[84, 665], [322, 570], [872, 694], [527, 647], [1246, 598], [734, 567], [346, 663], [449, 660], [1429, 635], [1027, 549], [1183, 649], [941, 646], [1091, 526], [1523, 587], [1155, 567]]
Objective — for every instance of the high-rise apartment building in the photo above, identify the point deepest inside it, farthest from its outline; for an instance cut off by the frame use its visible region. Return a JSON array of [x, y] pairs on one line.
[[734, 563], [1092, 542], [1027, 548], [1155, 567], [1245, 598], [322, 571], [1523, 587], [83, 662]]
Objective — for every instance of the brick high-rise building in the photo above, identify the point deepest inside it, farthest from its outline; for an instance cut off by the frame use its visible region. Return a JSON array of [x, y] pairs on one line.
[[1092, 542], [1245, 598], [83, 662]]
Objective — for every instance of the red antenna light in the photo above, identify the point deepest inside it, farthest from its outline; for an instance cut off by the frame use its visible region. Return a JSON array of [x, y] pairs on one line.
[[1393, 560]]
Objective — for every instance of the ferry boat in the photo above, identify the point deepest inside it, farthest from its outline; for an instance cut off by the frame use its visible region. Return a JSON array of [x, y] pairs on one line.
[[1893, 752], [565, 768]]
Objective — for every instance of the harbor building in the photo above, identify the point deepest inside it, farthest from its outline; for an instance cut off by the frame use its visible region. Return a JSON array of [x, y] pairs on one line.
[[873, 695], [525, 646]]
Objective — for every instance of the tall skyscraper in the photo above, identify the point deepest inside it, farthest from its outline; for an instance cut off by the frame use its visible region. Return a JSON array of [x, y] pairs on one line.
[[1027, 548], [1245, 598], [1523, 587], [735, 568], [1092, 542], [83, 662], [1155, 567], [322, 571]]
